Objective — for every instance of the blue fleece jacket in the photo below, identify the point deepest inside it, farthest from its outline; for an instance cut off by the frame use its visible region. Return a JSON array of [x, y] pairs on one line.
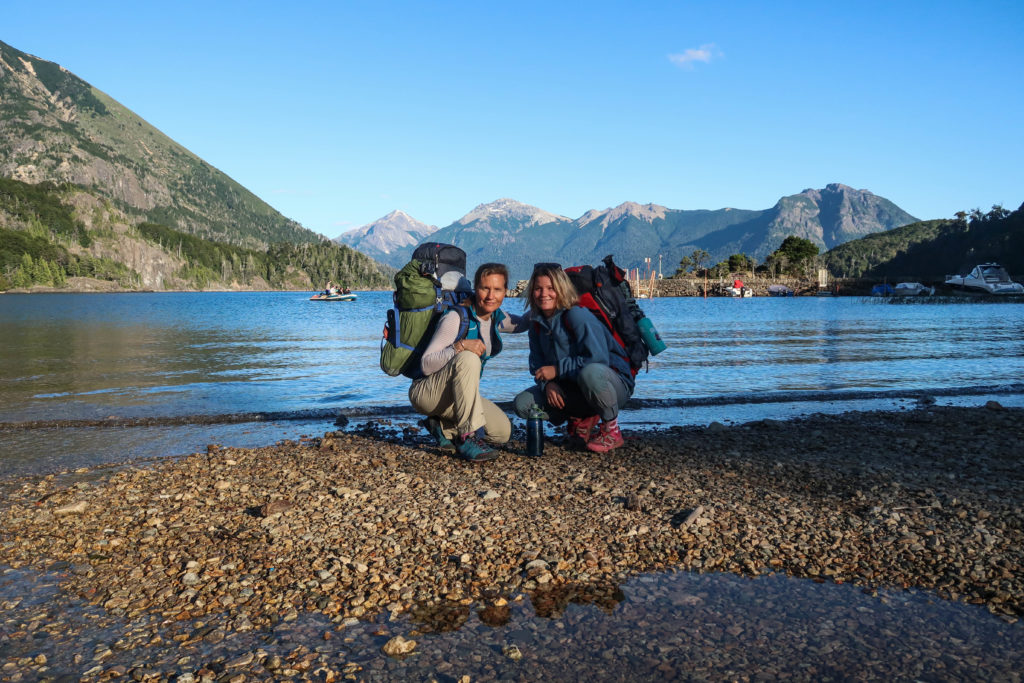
[[569, 350]]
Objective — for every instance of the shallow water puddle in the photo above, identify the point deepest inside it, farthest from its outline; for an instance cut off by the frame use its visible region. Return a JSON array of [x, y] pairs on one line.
[[654, 626]]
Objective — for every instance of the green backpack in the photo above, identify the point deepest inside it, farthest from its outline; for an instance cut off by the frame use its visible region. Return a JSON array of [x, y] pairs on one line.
[[428, 286]]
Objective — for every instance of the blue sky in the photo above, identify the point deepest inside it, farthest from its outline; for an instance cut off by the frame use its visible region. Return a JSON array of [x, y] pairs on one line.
[[336, 113]]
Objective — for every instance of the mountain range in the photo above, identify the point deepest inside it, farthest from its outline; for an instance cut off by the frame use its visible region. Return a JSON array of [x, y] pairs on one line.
[[519, 234]]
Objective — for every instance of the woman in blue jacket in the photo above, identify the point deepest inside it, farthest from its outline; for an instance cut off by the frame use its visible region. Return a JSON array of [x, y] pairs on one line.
[[582, 373]]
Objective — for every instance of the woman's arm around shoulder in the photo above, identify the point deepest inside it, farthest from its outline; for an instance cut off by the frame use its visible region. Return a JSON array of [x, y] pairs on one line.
[[514, 324]]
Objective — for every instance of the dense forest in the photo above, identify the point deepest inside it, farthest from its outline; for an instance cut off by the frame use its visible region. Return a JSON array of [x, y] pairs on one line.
[[42, 242], [930, 250]]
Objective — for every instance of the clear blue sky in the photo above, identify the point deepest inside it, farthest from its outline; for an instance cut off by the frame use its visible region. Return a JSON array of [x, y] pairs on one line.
[[336, 113]]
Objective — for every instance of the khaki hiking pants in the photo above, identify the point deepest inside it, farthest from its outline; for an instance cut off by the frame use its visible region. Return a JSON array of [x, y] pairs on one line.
[[452, 394]]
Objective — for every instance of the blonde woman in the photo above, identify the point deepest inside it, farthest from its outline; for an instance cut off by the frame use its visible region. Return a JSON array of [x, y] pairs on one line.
[[581, 372]]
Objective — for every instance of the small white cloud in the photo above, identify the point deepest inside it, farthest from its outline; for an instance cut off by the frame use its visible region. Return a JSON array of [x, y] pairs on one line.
[[704, 53]]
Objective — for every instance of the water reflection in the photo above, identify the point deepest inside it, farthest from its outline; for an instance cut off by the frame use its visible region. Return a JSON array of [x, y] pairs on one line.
[[675, 625]]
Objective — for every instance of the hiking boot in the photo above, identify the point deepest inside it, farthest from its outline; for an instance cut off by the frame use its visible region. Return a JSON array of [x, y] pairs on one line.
[[609, 437], [474, 449], [433, 426], [582, 429]]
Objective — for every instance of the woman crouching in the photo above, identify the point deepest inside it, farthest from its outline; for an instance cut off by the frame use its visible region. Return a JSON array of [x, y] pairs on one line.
[[458, 417], [582, 373]]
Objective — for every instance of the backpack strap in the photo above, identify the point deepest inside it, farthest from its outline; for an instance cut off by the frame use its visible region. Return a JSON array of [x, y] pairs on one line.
[[463, 322]]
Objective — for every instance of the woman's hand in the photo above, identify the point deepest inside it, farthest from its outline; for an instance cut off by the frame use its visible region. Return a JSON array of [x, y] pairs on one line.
[[546, 373], [472, 345], [554, 396]]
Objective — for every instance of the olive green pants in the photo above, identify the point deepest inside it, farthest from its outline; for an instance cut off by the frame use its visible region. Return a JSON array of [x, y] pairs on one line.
[[452, 395]]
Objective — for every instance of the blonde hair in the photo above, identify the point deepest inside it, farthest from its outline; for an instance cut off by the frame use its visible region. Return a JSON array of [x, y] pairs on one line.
[[565, 293]]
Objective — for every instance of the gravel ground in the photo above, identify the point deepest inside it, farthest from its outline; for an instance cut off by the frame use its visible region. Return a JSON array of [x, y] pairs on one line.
[[373, 527]]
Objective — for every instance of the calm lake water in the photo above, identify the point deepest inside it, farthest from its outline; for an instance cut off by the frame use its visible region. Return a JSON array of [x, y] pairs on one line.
[[202, 362]]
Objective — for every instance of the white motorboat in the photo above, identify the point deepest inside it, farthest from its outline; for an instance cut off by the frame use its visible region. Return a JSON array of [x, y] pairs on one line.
[[985, 278], [912, 289]]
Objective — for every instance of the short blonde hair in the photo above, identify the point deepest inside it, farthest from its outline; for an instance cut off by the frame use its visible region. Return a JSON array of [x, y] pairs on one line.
[[565, 293]]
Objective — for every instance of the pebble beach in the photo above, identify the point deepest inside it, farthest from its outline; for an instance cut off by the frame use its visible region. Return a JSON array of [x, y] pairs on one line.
[[373, 531]]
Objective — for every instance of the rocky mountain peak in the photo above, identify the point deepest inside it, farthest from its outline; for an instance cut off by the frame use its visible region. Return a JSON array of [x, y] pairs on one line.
[[394, 232], [836, 189], [509, 208], [645, 212]]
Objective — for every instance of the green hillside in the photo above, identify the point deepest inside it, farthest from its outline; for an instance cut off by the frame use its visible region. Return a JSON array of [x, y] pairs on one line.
[[930, 250], [51, 233]]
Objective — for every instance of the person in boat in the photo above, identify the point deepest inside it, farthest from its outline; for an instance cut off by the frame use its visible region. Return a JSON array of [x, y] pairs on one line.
[[329, 288], [582, 375], [449, 392]]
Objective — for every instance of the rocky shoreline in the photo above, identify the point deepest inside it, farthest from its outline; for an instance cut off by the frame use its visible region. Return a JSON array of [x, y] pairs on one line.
[[355, 524]]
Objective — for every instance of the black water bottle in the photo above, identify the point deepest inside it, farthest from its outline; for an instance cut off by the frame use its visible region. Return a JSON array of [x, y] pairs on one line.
[[535, 432]]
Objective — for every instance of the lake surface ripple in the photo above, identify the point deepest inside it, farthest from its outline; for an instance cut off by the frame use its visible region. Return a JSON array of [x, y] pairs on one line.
[[93, 378]]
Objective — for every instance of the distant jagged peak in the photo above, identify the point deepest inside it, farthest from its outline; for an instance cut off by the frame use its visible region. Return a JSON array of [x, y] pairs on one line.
[[835, 188], [645, 212], [396, 220], [388, 234], [510, 208]]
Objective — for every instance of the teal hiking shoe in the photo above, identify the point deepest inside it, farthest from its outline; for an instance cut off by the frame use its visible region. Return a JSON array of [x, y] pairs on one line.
[[474, 448], [433, 426]]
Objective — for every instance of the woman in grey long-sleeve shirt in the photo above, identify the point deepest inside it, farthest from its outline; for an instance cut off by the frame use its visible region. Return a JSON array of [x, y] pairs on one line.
[[449, 393]]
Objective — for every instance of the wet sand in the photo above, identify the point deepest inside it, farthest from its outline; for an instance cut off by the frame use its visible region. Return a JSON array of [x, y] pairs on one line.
[[376, 525]]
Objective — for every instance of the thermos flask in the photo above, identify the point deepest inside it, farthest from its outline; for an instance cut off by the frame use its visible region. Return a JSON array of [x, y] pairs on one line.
[[651, 336], [535, 432]]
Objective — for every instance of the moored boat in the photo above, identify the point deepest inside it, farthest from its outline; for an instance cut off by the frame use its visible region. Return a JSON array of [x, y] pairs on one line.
[[912, 289], [985, 278], [321, 296], [882, 290]]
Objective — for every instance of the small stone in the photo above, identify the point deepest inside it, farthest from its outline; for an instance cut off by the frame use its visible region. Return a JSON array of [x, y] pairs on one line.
[[632, 502], [72, 509], [275, 507], [190, 579], [490, 494], [512, 652], [242, 660], [398, 646]]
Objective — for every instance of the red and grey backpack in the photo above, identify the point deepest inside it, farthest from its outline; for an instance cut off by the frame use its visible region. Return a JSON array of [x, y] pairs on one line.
[[603, 290]]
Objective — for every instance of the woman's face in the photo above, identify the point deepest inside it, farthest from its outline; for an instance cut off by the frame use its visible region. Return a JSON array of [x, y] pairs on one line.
[[489, 294], [544, 296]]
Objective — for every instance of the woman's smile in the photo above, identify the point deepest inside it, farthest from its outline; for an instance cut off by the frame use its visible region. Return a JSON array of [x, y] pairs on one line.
[[544, 295]]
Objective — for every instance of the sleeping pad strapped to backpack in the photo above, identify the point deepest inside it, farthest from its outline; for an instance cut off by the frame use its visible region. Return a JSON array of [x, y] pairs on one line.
[[429, 285], [604, 291]]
